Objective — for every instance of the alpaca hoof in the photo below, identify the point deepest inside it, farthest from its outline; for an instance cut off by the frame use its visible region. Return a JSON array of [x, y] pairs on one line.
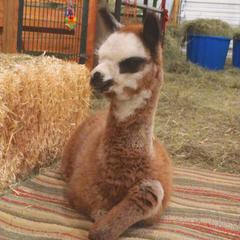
[[95, 234], [100, 231]]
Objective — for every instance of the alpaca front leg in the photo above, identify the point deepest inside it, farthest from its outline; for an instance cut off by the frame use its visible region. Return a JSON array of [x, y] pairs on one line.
[[143, 201]]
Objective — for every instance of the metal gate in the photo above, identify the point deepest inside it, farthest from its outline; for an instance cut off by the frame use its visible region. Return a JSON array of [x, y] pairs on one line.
[[41, 28]]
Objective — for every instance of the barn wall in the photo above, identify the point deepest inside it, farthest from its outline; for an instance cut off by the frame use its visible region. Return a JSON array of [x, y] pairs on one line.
[[226, 10]]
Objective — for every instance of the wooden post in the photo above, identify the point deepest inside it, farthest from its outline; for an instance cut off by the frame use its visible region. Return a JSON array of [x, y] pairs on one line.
[[1, 23], [91, 33], [1, 13], [10, 23], [174, 12], [176, 5]]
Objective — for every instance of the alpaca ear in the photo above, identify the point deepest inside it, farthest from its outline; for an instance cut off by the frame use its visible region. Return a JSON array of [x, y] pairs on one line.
[[151, 32], [109, 20]]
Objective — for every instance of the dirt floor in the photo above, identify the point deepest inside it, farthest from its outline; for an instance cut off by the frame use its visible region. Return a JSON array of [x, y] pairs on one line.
[[198, 117]]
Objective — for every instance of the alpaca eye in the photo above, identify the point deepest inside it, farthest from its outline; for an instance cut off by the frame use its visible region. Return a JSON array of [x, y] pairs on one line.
[[131, 65]]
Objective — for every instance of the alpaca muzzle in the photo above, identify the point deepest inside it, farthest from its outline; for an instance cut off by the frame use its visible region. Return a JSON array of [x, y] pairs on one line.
[[98, 84]]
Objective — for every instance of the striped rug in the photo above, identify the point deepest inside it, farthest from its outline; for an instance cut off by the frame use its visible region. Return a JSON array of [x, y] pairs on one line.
[[205, 205]]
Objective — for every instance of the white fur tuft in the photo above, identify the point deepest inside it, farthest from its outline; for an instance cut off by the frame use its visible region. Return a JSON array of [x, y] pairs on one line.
[[125, 108]]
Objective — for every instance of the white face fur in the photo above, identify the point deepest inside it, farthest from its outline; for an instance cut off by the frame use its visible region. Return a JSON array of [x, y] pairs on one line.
[[117, 48]]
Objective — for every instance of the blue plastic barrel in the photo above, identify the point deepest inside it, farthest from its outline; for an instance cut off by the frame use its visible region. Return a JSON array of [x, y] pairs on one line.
[[208, 51], [236, 53]]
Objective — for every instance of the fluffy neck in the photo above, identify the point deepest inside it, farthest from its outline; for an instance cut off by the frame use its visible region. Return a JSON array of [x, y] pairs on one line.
[[129, 129], [132, 135]]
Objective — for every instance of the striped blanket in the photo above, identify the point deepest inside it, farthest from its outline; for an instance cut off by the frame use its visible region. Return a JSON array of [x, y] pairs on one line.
[[205, 205]]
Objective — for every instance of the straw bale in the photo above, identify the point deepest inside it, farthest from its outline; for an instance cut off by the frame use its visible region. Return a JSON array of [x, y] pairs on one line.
[[207, 26], [41, 101]]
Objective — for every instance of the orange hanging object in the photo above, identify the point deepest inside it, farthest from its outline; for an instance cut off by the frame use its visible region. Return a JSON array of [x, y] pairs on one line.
[[135, 10], [126, 12], [129, 12]]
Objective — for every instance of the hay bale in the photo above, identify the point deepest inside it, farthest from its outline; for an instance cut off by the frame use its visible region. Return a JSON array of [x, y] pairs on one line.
[[210, 27], [41, 101]]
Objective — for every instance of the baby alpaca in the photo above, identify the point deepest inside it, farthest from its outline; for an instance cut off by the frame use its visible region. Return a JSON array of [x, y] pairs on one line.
[[117, 172]]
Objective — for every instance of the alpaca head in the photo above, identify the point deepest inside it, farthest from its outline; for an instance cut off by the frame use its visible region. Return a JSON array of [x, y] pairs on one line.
[[126, 57]]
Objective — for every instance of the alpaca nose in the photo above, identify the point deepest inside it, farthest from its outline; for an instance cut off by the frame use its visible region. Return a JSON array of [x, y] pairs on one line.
[[96, 79], [98, 84], [96, 75]]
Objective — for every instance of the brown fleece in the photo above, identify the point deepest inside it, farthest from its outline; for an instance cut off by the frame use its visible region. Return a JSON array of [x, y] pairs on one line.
[[113, 168]]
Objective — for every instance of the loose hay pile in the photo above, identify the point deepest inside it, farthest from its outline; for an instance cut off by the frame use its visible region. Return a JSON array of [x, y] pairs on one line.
[[174, 58], [210, 27], [41, 101], [236, 33], [198, 111]]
